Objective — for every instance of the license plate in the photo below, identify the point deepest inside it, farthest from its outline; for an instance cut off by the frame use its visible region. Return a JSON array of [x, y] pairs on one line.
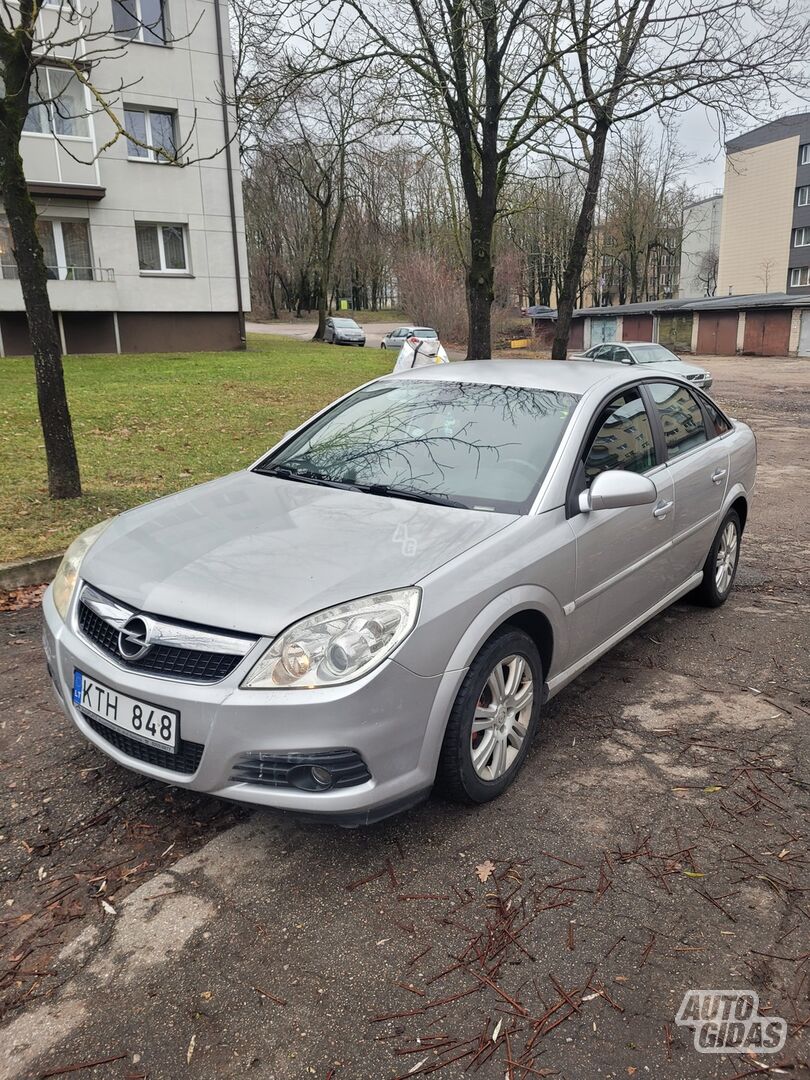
[[141, 720]]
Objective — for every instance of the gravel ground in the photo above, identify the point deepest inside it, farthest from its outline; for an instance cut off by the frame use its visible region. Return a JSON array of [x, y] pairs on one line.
[[655, 843]]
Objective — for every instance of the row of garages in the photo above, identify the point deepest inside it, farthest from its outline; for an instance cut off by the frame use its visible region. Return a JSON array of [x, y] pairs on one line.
[[762, 325]]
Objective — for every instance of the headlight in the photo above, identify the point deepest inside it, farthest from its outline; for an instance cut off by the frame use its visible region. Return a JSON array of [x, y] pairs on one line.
[[338, 644], [68, 573]]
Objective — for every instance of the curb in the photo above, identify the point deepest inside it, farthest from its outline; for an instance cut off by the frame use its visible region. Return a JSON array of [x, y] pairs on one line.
[[14, 575]]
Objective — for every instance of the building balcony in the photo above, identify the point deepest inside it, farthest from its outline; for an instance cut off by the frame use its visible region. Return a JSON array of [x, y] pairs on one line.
[[64, 273]]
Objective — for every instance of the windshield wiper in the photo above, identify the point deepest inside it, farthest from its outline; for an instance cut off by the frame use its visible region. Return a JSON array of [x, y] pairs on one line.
[[395, 492], [284, 473]]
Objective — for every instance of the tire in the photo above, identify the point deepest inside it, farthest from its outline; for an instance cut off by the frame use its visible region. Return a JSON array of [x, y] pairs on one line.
[[457, 777], [383, 345], [716, 585]]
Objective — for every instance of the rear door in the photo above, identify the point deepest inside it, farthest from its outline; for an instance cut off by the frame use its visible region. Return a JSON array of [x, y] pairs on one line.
[[623, 566], [697, 460]]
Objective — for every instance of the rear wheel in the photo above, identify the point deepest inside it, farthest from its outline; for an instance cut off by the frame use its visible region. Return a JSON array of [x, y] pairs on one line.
[[720, 567], [493, 720]]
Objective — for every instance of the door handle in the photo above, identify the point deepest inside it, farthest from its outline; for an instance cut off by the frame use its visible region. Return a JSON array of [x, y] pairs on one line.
[[663, 508], [718, 475]]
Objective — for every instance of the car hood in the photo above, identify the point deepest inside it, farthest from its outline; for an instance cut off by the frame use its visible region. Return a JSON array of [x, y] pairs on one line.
[[673, 368], [255, 553]]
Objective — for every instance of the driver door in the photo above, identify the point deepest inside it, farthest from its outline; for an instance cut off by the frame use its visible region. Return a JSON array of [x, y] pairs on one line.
[[622, 556]]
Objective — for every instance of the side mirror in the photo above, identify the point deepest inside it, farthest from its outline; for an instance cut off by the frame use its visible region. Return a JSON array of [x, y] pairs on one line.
[[617, 488]]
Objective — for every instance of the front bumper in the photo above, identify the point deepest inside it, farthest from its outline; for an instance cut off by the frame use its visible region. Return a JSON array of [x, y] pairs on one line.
[[391, 718]]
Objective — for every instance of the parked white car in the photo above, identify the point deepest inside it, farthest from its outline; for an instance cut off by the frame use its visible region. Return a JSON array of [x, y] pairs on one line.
[[647, 353], [395, 339]]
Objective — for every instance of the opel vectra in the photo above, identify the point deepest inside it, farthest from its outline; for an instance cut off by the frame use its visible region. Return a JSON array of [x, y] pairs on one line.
[[383, 603]]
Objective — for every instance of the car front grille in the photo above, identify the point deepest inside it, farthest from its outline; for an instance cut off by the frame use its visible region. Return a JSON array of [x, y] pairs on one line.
[[188, 664], [186, 760], [293, 769]]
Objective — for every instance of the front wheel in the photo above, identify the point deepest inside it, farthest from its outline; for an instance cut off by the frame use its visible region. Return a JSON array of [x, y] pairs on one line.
[[720, 567], [493, 721]]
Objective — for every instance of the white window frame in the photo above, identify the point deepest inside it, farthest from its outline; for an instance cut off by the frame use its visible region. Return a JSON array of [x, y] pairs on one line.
[[151, 156], [51, 105], [61, 268], [804, 154], [139, 37], [803, 195], [160, 226], [804, 233], [796, 276]]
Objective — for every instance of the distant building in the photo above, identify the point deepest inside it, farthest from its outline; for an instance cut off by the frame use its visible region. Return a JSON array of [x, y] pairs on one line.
[[700, 248], [765, 229], [142, 256]]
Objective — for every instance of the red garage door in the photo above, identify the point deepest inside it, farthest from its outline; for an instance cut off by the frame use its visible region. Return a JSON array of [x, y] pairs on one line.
[[577, 335], [717, 333], [637, 328], [767, 333]]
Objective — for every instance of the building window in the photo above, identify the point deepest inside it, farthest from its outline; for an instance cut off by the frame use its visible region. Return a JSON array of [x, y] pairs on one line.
[[801, 237], [162, 249], [153, 129], [65, 245], [804, 154], [140, 20], [803, 195], [800, 275], [56, 104]]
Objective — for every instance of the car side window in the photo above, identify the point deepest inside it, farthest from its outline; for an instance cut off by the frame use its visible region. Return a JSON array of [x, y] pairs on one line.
[[623, 438], [681, 417], [717, 420], [621, 354]]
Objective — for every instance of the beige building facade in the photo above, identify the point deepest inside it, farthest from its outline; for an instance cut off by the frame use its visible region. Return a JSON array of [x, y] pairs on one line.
[[765, 227]]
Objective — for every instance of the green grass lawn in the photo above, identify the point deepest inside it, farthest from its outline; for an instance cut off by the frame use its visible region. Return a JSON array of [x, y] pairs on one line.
[[152, 424]]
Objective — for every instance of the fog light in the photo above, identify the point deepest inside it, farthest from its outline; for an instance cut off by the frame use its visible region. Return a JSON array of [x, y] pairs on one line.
[[321, 777]]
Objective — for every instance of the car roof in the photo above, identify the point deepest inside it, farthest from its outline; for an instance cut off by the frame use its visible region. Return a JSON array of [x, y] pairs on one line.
[[566, 376]]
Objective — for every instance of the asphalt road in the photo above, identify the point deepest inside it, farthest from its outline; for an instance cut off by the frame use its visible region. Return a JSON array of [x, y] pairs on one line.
[[657, 842], [303, 330]]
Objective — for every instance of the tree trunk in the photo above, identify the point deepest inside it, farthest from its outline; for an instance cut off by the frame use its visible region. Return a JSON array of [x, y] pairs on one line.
[[480, 289], [579, 245], [57, 430]]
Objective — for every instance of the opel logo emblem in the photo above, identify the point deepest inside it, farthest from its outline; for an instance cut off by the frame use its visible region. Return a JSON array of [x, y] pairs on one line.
[[133, 639]]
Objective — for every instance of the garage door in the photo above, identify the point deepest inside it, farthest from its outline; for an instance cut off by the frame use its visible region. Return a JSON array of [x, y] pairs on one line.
[[603, 329], [576, 338], [717, 333], [637, 328], [804, 335], [675, 331], [767, 333]]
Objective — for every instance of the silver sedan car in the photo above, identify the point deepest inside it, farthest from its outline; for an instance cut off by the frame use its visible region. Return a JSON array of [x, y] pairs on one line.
[[385, 601], [647, 352]]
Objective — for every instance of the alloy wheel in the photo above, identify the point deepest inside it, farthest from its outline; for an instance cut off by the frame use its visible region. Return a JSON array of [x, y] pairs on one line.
[[726, 560], [502, 716]]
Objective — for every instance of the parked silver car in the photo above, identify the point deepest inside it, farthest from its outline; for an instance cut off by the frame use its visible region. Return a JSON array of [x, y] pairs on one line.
[[647, 352], [386, 600], [343, 332], [395, 339]]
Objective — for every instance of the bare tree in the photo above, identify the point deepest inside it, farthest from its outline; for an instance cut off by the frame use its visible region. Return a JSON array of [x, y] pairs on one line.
[[472, 71], [666, 55], [33, 37]]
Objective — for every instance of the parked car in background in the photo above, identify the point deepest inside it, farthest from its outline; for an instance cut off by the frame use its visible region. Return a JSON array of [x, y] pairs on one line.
[[343, 332], [647, 352], [388, 597], [396, 338]]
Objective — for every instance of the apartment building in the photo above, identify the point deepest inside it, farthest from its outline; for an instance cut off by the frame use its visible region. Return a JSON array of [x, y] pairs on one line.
[[765, 229], [142, 255], [700, 248]]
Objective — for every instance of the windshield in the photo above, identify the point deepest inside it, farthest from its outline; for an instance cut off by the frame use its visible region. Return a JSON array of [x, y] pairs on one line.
[[345, 324], [653, 354], [479, 446]]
